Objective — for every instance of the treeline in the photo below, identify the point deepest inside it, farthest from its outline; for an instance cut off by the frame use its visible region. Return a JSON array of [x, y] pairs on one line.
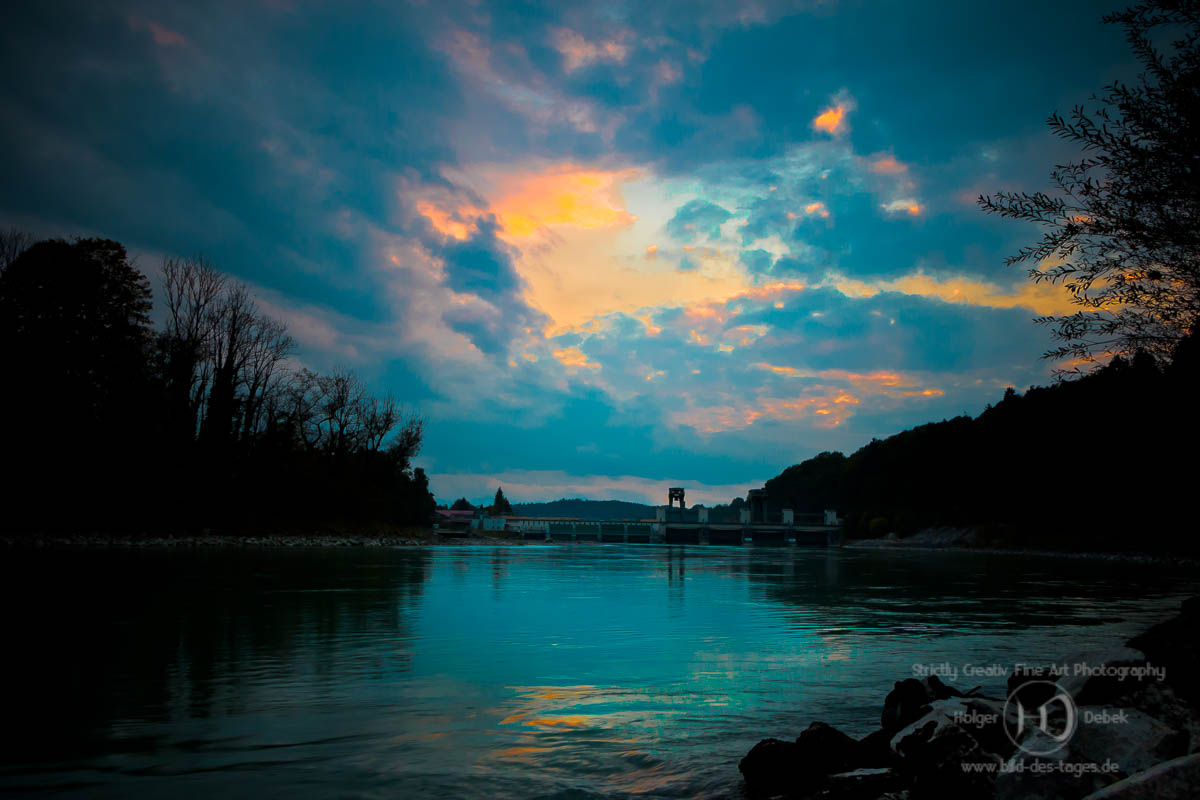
[[1107, 461], [205, 422], [579, 508]]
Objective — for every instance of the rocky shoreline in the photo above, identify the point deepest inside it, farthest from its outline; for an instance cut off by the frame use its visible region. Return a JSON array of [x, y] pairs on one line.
[[1122, 724]]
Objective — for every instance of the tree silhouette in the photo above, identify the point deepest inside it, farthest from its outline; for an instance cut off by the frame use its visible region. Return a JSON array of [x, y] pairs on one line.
[[79, 404], [462, 504], [501, 505], [1122, 231], [111, 424]]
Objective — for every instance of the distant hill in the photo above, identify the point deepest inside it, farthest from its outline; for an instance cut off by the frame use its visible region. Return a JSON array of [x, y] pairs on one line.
[[585, 509], [1106, 461]]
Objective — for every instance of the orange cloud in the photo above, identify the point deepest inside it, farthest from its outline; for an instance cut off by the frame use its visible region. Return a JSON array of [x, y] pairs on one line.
[[888, 165], [574, 359], [448, 223], [1043, 298], [563, 196], [745, 335], [831, 120], [817, 208], [907, 205], [827, 410], [883, 383], [579, 52]]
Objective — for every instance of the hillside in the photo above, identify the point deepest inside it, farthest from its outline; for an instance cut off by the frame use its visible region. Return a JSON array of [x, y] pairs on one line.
[[1101, 462], [585, 509]]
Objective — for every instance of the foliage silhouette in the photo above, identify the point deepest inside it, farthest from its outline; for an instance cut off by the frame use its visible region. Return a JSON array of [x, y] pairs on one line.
[[1094, 463], [204, 423], [500, 504], [1122, 231]]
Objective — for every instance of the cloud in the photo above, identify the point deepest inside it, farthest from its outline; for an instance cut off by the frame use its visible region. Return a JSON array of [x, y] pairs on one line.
[[833, 119], [697, 218], [161, 35], [578, 52], [1042, 298]]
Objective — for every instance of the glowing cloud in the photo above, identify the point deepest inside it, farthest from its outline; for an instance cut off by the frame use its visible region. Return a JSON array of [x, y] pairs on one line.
[[1043, 298], [445, 222], [903, 206], [887, 165], [574, 359], [567, 195], [579, 52], [831, 120]]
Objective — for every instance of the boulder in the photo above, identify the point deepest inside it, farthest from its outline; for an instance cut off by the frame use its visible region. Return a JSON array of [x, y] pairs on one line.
[[1096, 689], [906, 702], [1172, 780], [1174, 646], [875, 750], [799, 768], [772, 767], [1060, 775], [982, 719], [1132, 739], [826, 750], [936, 764], [937, 690], [862, 784], [1160, 701]]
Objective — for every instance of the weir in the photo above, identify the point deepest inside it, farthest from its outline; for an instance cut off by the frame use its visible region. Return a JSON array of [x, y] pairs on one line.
[[757, 524]]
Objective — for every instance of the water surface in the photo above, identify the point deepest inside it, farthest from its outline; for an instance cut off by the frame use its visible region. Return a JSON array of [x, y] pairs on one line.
[[563, 671]]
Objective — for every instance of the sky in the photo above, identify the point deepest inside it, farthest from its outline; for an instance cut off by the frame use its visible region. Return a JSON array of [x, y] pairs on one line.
[[603, 248]]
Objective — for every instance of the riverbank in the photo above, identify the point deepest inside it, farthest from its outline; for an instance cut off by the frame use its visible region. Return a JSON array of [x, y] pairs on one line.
[[411, 537], [1115, 724], [970, 539]]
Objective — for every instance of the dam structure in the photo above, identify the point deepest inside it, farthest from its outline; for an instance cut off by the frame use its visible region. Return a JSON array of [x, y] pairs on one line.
[[757, 523]]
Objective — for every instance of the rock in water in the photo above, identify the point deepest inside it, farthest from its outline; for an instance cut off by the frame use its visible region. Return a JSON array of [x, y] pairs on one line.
[[827, 750], [1174, 646], [907, 702], [801, 767], [772, 767]]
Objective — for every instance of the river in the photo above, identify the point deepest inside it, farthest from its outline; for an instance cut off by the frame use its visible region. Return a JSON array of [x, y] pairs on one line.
[[560, 671]]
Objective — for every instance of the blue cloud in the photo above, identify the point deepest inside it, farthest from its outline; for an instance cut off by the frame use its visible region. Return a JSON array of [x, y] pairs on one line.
[[697, 218]]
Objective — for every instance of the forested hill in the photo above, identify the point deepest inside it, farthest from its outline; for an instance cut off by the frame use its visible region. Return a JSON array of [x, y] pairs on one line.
[[585, 509], [1106, 461]]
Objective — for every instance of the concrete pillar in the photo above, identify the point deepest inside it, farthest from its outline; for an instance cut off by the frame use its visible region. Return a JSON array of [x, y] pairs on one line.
[[701, 514], [744, 516], [788, 517], [831, 517], [660, 513]]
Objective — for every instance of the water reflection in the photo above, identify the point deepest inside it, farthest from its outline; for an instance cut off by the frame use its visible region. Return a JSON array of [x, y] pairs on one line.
[[515, 672]]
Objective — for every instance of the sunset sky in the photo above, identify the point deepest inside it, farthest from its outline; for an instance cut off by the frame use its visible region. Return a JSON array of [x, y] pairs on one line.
[[605, 248]]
